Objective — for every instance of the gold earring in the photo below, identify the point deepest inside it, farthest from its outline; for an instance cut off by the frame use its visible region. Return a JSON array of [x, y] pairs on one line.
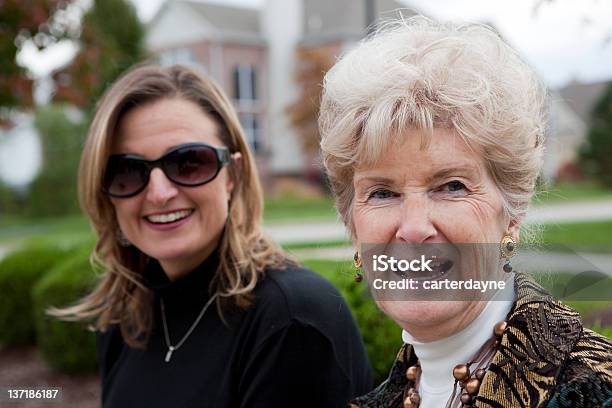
[[358, 264], [507, 247]]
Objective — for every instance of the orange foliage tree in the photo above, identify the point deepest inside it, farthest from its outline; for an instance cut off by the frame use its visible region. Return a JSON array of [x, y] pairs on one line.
[[313, 63], [23, 20]]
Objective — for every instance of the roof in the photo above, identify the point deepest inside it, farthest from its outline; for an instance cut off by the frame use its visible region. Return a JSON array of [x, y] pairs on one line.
[[228, 18], [344, 20], [582, 97], [228, 23]]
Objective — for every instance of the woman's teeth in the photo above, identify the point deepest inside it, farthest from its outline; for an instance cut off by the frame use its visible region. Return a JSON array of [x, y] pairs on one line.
[[169, 217], [439, 268]]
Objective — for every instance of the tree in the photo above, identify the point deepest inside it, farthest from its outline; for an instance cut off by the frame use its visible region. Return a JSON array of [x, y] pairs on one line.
[[596, 152], [54, 190], [22, 20], [112, 40], [313, 64]]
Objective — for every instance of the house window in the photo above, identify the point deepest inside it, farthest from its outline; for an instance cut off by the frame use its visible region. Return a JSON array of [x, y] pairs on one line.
[[245, 83], [250, 124]]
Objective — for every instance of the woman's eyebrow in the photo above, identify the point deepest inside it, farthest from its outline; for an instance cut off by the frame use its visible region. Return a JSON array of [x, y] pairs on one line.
[[472, 172], [373, 179]]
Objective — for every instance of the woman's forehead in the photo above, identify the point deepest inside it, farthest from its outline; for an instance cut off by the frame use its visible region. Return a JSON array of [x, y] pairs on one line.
[[419, 149], [152, 129]]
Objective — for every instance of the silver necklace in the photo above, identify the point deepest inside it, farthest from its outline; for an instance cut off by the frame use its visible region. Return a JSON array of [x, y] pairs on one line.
[[172, 348]]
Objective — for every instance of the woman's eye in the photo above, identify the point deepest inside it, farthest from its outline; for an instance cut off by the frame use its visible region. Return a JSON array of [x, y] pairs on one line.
[[453, 186], [456, 186], [381, 194]]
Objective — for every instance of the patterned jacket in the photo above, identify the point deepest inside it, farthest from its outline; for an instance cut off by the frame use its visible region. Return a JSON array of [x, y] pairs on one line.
[[546, 358]]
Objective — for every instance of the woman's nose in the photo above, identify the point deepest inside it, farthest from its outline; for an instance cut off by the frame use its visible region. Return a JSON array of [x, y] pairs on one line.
[[160, 189], [415, 225]]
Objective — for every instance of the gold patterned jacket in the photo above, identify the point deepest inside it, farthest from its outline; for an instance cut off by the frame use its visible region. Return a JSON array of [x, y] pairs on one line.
[[546, 358]]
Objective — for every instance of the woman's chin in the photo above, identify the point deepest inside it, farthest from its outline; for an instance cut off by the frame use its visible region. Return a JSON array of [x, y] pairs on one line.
[[168, 253], [421, 314]]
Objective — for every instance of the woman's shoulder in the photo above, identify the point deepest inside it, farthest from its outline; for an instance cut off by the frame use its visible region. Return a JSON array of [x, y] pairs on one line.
[[586, 378], [109, 345], [304, 294]]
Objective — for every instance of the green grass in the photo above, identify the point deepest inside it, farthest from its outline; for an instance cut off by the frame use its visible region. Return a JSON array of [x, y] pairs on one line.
[[561, 193], [316, 244], [595, 236], [584, 307], [291, 209], [15, 229]]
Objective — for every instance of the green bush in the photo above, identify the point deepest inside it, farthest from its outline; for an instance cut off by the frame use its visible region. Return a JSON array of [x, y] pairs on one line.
[[9, 200], [595, 152], [66, 346], [54, 191], [19, 271], [382, 336]]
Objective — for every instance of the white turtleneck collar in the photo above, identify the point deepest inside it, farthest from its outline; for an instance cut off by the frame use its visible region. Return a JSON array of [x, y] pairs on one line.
[[438, 358]]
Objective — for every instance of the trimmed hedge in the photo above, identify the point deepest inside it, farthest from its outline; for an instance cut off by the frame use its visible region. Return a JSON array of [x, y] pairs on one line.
[[19, 270], [66, 346], [381, 335]]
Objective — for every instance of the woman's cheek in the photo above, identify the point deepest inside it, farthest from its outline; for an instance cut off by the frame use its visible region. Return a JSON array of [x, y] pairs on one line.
[[467, 220], [375, 224]]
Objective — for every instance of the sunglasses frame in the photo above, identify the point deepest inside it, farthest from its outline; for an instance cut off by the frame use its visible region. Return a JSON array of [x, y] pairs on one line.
[[222, 154]]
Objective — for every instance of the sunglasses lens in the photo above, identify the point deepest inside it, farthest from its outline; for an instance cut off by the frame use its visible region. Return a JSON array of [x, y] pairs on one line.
[[124, 176], [191, 165]]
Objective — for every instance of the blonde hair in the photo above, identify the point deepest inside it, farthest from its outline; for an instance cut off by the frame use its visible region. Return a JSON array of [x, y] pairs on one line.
[[244, 251], [418, 74]]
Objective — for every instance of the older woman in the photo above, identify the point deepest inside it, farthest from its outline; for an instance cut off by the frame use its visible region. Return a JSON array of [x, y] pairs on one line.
[[196, 307], [432, 135]]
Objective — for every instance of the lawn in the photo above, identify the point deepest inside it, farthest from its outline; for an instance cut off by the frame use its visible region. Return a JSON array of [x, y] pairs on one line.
[[595, 236], [15, 229], [561, 193], [292, 208]]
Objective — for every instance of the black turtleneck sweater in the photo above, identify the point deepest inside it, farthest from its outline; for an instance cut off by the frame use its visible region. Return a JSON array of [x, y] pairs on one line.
[[297, 345]]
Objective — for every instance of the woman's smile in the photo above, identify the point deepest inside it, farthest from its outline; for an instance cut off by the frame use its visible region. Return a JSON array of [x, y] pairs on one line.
[[169, 220]]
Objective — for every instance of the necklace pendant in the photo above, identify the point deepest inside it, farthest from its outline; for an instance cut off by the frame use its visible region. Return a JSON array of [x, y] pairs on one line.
[[169, 354]]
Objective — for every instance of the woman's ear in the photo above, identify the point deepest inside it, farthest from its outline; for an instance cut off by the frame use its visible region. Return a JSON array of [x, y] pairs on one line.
[[514, 229], [235, 172]]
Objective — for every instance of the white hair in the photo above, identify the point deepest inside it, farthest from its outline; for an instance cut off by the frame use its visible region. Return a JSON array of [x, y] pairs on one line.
[[418, 74]]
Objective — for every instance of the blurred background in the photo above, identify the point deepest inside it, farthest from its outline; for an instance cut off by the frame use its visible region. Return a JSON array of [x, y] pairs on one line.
[[58, 56]]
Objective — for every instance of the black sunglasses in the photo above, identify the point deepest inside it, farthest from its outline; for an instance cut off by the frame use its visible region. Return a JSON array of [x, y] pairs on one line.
[[191, 164]]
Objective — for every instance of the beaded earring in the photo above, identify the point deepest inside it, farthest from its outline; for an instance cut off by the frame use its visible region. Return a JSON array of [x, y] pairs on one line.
[[358, 264], [507, 248]]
